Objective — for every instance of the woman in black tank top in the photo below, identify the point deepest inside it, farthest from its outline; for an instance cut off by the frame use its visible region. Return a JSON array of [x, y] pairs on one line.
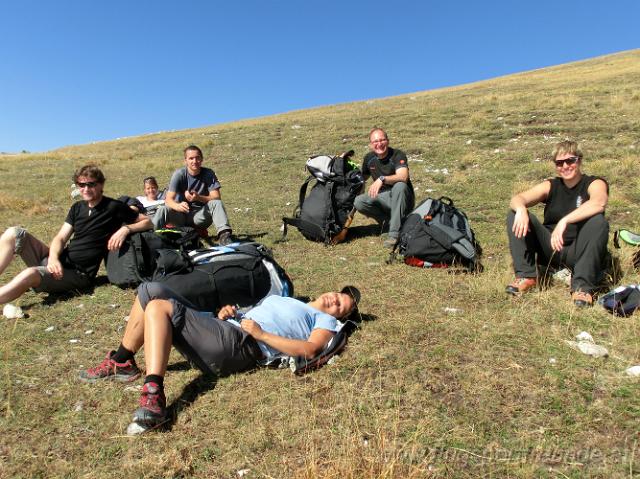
[[573, 234]]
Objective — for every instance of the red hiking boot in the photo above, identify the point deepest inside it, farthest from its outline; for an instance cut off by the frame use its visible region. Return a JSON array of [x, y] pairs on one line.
[[521, 285], [108, 369]]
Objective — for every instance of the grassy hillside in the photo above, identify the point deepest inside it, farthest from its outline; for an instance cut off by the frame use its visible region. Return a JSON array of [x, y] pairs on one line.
[[450, 379]]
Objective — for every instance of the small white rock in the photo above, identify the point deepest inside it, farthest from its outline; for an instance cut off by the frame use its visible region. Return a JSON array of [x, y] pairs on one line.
[[74, 341], [50, 328], [114, 305], [584, 336], [12, 312], [469, 142], [553, 360], [88, 332], [134, 429], [126, 319], [633, 371], [451, 310], [243, 472], [79, 406]]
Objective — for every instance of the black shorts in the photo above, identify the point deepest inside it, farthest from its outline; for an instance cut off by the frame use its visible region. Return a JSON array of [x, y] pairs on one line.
[[212, 345]]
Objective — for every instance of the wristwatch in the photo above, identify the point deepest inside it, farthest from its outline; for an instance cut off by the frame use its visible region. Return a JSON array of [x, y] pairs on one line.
[[381, 178]]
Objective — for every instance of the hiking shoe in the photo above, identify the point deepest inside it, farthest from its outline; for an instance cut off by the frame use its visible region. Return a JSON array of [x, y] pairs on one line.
[[225, 238], [521, 285], [390, 242], [111, 370], [153, 406], [581, 299]]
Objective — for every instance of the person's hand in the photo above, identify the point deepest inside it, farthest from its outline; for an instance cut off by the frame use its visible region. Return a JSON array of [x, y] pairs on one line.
[[117, 239], [55, 268], [521, 223], [227, 312], [556, 235], [190, 196], [252, 328], [374, 189], [182, 207]]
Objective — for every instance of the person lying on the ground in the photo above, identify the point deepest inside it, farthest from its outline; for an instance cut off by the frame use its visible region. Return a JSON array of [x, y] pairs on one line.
[[219, 344], [92, 227], [574, 232], [193, 199]]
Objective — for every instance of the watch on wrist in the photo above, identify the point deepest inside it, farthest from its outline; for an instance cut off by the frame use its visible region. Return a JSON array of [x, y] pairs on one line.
[[381, 178]]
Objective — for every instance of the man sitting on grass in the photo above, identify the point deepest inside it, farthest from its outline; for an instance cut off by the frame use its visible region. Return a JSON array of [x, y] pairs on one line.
[[193, 199], [219, 344], [93, 226]]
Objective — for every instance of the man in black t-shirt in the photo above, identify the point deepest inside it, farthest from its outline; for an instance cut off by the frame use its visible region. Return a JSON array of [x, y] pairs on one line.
[[390, 197], [92, 227]]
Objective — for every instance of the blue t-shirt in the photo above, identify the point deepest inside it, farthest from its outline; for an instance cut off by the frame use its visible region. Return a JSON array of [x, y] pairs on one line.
[[202, 183], [289, 318]]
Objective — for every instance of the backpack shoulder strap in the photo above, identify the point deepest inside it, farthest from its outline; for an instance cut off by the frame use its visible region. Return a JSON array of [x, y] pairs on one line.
[[336, 346]]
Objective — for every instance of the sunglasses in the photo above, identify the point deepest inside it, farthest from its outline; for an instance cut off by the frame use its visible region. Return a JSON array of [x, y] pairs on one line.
[[569, 161], [87, 184]]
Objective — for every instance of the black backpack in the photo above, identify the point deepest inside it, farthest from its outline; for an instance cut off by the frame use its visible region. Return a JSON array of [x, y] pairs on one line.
[[136, 259], [436, 233], [327, 212], [240, 274]]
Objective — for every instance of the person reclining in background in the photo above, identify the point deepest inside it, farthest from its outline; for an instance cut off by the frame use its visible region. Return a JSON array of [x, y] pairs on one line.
[[219, 344], [193, 198], [574, 232], [92, 227], [152, 198]]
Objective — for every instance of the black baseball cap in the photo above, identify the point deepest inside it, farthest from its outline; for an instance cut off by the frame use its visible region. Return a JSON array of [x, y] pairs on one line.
[[355, 295]]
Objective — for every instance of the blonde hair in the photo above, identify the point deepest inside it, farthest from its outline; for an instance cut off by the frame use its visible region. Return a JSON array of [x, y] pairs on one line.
[[566, 147]]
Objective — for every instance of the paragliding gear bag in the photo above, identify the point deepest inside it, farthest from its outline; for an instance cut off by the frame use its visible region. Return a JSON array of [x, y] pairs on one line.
[[136, 260], [241, 274], [622, 301], [328, 209], [438, 232]]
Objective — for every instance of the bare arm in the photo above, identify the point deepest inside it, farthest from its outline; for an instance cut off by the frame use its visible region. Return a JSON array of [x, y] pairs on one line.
[[596, 204], [522, 201], [58, 243], [316, 342], [142, 223], [213, 195], [171, 203], [400, 175]]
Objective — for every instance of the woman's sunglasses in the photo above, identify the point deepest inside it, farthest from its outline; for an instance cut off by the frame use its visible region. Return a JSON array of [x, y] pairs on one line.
[[569, 161]]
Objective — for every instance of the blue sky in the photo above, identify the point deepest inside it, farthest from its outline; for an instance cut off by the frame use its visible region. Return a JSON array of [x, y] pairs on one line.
[[72, 72]]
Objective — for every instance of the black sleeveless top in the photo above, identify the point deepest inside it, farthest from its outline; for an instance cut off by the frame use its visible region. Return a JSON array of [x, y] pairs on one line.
[[562, 200]]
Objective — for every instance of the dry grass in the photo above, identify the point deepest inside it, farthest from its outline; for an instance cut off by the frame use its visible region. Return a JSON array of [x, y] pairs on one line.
[[487, 389]]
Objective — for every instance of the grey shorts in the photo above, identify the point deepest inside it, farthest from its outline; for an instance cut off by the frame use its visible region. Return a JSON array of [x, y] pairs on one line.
[[212, 345], [35, 254]]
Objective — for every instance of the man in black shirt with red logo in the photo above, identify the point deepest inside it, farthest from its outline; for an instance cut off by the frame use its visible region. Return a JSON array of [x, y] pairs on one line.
[[390, 197], [92, 227]]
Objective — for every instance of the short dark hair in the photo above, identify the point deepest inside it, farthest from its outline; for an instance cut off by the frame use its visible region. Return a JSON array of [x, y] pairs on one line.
[[89, 171], [193, 148]]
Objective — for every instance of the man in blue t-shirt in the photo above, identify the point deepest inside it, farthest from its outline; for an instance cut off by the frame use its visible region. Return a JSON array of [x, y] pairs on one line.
[[193, 198], [390, 197], [219, 344], [93, 226]]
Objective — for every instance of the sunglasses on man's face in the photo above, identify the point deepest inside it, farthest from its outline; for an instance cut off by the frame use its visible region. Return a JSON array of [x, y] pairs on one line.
[[569, 161], [86, 184]]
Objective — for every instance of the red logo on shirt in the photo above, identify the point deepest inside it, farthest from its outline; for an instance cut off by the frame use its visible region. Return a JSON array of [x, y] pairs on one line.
[[402, 162]]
